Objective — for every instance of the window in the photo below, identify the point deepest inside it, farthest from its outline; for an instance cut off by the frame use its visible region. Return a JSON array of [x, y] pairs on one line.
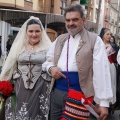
[[63, 4], [52, 6]]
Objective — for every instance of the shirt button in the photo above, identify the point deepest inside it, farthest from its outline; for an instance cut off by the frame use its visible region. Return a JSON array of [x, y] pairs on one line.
[[80, 69], [77, 54]]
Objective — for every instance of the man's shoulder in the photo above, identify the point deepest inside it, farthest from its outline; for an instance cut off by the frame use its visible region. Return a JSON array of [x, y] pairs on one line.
[[62, 36], [92, 36], [92, 33]]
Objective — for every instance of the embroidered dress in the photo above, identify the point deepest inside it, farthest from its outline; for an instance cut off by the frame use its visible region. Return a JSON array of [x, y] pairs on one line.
[[32, 90]]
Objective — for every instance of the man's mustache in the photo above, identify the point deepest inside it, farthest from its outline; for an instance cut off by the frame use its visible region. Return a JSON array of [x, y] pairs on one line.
[[72, 26]]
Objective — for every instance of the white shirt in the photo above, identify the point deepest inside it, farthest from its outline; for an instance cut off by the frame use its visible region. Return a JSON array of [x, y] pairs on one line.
[[101, 70]]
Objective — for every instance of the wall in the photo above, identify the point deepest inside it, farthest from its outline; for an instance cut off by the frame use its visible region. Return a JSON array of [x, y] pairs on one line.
[[57, 6], [36, 5], [12, 3], [18, 2], [101, 21]]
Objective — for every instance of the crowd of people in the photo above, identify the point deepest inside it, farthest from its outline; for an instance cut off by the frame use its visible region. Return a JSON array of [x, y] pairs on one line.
[[45, 73]]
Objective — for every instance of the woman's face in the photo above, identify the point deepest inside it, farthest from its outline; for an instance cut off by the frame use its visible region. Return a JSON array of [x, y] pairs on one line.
[[34, 33], [107, 36]]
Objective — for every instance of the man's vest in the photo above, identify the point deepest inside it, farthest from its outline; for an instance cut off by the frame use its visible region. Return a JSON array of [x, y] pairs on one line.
[[84, 59]]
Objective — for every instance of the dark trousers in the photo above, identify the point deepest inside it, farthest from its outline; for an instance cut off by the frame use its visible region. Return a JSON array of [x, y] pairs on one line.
[[58, 99]]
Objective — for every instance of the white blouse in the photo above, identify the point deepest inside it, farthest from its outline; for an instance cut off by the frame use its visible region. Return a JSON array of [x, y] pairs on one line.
[[101, 70]]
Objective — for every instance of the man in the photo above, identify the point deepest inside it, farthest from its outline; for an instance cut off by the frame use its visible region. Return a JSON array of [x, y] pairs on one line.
[[9, 43], [86, 56]]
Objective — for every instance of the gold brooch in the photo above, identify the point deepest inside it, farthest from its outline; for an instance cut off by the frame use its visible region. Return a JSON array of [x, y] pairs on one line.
[[81, 42]]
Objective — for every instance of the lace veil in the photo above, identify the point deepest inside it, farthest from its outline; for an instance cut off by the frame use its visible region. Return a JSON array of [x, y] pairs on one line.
[[18, 44]]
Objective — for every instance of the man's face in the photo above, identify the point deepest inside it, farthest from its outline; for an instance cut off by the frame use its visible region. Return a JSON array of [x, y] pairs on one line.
[[74, 22]]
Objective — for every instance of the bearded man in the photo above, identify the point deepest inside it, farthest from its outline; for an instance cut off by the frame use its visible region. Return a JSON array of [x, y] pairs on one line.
[[82, 55]]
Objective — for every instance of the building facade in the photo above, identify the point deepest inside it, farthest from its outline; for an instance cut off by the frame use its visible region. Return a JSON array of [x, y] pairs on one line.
[[13, 13], [114, 16]]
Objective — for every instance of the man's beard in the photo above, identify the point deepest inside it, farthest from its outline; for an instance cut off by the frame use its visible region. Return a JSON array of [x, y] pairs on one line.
[[74, 31]]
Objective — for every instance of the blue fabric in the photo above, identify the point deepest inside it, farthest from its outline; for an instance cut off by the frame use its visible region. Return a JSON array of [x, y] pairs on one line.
[[62, 83]]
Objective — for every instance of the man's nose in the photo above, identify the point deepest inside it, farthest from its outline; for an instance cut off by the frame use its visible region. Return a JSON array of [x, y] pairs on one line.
[[71, 22]]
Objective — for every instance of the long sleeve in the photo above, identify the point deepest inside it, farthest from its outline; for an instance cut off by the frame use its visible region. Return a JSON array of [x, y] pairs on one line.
[[50, 58], [101, 74]]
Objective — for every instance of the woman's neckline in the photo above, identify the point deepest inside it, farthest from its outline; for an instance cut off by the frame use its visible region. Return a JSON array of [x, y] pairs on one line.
[[33, 44]]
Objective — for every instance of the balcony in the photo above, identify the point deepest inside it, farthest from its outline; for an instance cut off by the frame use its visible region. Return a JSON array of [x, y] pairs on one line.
[[107, 18]]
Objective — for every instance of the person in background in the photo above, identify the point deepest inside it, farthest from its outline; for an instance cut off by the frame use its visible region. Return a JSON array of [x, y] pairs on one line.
[[113, 44], [112, 51], [9, 43], [24, 63], [87, 62]]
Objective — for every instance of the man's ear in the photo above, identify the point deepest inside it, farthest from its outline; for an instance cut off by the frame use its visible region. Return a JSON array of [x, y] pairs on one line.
[[84, 20]]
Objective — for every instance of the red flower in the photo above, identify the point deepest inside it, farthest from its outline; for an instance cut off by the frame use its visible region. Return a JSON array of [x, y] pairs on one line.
[[6, 88]]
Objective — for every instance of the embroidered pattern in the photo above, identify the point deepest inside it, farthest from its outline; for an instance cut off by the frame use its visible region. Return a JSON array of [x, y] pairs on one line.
[[23, 113]]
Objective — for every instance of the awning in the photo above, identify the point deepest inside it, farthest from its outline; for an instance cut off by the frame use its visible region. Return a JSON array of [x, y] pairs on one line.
[[19, 16], [50, 18]]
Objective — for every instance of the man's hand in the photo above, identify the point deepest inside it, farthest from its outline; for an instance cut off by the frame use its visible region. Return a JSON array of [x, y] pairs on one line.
[[103, 111], [56, 73]]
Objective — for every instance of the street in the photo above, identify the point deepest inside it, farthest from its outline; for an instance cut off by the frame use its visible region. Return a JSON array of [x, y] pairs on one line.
[[115, 116]]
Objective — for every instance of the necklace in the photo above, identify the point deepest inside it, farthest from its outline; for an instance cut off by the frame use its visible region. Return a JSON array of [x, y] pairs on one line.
[[33, 44]]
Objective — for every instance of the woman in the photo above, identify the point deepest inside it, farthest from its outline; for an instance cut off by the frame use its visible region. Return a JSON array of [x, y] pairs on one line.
[[111, 49], [113, 44], [25, 59]]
